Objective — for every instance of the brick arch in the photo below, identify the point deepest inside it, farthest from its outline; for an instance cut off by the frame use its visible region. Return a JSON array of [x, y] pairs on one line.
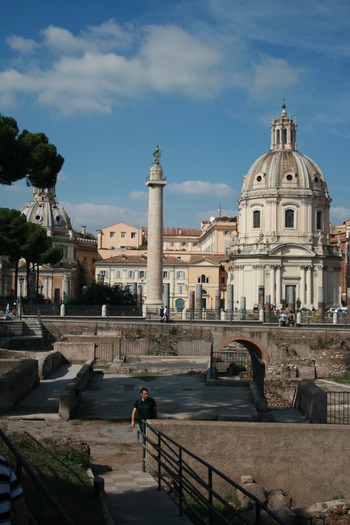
[[252, 345]]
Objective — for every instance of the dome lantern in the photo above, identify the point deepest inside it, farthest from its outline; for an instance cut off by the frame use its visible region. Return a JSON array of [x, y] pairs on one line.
[[283, 132]]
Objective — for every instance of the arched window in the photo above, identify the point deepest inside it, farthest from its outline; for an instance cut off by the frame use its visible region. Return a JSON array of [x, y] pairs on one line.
[[284, 136], [278, 136], [289, 219], [256, 219]]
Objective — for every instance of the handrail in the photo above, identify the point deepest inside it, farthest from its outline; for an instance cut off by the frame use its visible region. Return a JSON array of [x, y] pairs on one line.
[[21, 462], [169, 461]]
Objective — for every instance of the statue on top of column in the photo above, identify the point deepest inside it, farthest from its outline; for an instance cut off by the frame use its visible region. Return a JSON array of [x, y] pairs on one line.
[[156, 154]]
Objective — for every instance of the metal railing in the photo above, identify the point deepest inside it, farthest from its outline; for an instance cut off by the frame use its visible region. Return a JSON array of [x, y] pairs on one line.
[[338, 408], [195, 485], [21, 463], [232, 362]]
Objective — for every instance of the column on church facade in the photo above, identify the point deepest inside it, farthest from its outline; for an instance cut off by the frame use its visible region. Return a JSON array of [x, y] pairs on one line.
[[309, 285], [278, 285], [302, 291]]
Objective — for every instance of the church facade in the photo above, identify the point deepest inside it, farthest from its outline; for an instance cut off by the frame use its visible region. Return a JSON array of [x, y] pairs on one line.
[[281, 254]]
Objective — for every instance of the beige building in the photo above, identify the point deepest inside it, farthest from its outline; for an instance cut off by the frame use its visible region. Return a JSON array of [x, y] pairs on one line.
[[190, 257], [119, 237]]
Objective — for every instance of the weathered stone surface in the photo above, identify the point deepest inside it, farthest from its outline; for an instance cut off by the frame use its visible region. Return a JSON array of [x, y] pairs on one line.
[[277, 499], [248, 483]]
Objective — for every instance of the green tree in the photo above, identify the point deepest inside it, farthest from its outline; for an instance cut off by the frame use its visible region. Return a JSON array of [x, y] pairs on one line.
[[21, 239], [13, 234], [27, 155], [37, 250], [98, 293]]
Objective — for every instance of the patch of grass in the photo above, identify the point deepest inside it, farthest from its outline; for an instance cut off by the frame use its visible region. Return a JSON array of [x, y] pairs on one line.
[[344, 378], [62, 466], [102, 367], [146, 376]]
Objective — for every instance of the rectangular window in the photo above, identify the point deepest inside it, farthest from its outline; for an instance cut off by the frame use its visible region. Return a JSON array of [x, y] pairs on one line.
[[319, 220], [123, 234], [131, 274], [180, 275], [111, 235], [289, 219], [184, 244], [142, 274], [180, 289], [133, 235], [165, 275], [256, 219]]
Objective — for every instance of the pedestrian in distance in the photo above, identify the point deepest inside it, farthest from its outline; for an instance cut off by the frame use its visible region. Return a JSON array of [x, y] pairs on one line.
[[13, 508], [165, 314], [291, 320], [144, 408], [283, 319]]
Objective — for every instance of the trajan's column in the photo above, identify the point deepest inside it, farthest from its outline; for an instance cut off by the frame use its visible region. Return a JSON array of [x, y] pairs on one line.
[[155, 183]]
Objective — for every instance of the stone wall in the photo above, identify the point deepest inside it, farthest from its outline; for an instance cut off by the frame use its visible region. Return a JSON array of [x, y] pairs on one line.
[[310, 462], [288, 352], [17, 383]]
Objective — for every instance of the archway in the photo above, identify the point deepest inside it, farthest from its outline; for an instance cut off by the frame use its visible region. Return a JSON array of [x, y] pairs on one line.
[[250, 344]]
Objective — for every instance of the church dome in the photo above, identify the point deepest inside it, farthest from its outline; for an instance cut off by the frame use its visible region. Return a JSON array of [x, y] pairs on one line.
[[45, 211], [284, 169], [284, 198]]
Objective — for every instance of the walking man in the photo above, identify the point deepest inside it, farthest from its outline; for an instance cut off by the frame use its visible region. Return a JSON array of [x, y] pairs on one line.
[[144, 408]]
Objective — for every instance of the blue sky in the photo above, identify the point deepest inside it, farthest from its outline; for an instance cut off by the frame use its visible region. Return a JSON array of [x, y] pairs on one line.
[[107, 81]]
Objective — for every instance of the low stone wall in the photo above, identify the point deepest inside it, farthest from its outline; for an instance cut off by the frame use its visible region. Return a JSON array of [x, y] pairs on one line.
[[312, 402], [310, 462], [8, 364], [76, 352], [49, 362], [71, 394], [17, 383]]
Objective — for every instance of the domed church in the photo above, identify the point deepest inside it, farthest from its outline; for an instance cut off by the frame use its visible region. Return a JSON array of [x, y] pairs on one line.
[[281, 254], [58, 283]]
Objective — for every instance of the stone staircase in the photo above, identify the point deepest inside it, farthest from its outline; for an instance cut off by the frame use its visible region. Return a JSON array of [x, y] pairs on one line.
[[31, 327]]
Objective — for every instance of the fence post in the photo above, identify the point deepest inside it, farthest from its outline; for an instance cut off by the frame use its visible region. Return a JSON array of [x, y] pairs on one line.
[[180, 481], [257, 513], [159, 460], [210, 483]]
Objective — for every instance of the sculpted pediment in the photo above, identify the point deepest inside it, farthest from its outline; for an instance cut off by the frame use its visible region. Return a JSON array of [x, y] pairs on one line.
[[295, 250]]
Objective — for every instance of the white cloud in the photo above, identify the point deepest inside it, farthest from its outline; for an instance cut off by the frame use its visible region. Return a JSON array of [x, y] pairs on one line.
[[96, 216], [198, 187], [139, 195], [273, 73], [103, 38], [25, 46], [174, 60], [85, 73], [339, 214]]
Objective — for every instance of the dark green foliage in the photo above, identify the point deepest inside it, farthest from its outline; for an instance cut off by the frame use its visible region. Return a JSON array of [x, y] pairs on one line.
[[27, 155], [101, 294], [22, 239]]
